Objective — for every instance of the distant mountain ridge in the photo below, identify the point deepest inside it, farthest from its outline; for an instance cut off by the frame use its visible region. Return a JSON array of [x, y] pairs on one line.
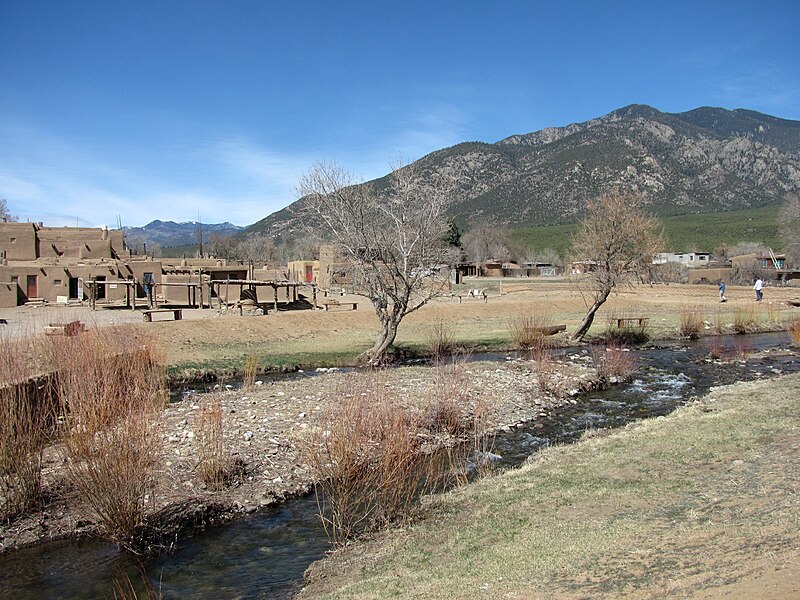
[[703, 160], [169, 233]]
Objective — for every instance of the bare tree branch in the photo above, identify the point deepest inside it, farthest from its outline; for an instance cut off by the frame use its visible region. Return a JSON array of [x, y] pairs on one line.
[[395, 239]]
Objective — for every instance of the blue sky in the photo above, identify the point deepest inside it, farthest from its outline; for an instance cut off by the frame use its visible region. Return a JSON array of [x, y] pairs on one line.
[[173, 109]]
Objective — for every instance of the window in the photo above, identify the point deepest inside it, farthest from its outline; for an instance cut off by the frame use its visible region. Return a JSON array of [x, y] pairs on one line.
[[56, 282], [13, 240], [14, 279]]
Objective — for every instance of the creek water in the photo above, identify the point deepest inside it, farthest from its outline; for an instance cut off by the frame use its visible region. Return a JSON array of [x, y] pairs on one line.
[[264, 555]]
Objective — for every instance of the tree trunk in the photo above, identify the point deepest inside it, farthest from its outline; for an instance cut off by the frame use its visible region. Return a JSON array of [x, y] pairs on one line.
[[589, 318], [385, 339]]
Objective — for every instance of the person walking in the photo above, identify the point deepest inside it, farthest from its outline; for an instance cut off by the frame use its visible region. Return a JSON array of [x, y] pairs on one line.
[[758, 287], [722, 297]]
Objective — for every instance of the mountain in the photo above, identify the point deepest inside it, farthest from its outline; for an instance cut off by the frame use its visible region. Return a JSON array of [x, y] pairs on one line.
[[699, 161], [169, 233]]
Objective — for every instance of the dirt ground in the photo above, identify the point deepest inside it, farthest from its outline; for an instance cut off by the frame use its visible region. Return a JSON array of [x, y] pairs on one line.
[[335, 337]]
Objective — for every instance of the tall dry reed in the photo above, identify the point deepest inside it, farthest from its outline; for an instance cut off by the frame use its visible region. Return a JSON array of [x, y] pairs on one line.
[[213, 463], [372, 464], [744, 319], [26, 420], [528, 331], [440, 340], [250, 371], [613, 363], [794, 330], [111, 387], [690, 322]]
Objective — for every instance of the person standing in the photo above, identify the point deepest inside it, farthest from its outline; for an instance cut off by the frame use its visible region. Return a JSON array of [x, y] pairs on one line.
[[722, 297], [758, 287]]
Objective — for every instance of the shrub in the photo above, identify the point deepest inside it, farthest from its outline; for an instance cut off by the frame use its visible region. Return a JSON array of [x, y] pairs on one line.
[[690, 322], [614, 364], [440, 340], [111, 388], [370, 459], [528, 331]]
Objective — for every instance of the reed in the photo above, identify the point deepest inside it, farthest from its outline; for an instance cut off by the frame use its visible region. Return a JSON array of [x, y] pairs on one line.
[[250, 371], [529, 331], [631, 331], [373, 465], [744, 319], [794, 330], [111, 389], [690, 322], [614, 364], [26, 420], [440, 340], [213, 462]]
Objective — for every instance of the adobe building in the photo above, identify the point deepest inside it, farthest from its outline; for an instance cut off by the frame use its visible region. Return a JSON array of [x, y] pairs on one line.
[[40, 263], [73, 264]]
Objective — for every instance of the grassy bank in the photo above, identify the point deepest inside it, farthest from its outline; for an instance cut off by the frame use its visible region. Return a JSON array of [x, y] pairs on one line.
[[704, 499]]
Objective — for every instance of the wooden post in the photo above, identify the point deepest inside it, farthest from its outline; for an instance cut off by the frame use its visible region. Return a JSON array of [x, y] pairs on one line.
[[275, 287]]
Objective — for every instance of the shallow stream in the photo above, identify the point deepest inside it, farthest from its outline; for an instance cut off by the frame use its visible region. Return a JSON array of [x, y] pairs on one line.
[[265, 555]]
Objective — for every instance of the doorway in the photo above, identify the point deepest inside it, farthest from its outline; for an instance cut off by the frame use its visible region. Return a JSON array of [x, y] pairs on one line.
[[33, 286]]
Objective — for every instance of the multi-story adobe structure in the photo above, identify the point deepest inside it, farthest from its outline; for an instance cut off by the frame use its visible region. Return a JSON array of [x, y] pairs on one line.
[[69, 264]]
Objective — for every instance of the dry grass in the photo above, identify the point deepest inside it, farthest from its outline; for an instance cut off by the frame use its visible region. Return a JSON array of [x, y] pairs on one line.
[[213, 462], [111, 389], [631, 331], [716, 348], [26, 419], [690, 322], [528, 331]]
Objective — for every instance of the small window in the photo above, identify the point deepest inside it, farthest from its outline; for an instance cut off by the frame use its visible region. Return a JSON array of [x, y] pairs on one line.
[[56, 282], [14, 279], [13, 240]]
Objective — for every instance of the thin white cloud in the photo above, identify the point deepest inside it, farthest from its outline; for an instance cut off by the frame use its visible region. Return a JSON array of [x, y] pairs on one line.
[[64, 182]]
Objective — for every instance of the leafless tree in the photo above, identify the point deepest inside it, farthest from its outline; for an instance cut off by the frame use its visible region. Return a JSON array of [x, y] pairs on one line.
[[621, 240], [5, 214], [394, 238], [484, 242], [790, 227]]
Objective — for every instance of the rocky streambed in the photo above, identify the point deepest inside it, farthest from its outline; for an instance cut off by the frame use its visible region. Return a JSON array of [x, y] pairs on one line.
[[262, 427]]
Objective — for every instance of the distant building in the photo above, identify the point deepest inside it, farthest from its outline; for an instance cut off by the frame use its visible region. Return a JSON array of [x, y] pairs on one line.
[[64, 264], [688, 259]]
